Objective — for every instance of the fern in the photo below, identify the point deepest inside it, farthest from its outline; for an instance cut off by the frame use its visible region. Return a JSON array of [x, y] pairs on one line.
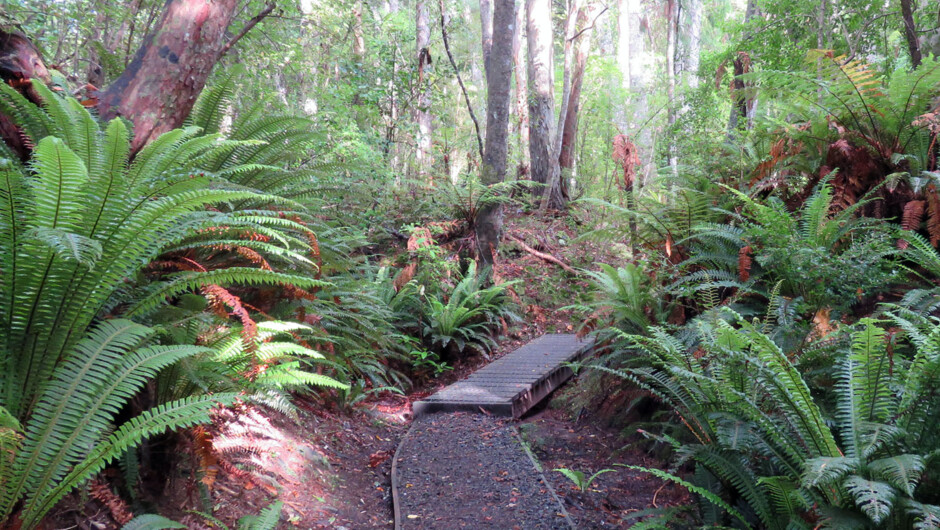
[[151, 522]]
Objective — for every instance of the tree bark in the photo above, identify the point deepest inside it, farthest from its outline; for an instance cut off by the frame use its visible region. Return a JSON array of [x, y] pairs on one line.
[[20, 62], [159, 87], [743, 105], [422, 111], [522, 91], [910, 33], [694, 47], [486, 30], [635, 67], [541, 93], [569, 132], [498, 94], [672, 21], [556, 192]]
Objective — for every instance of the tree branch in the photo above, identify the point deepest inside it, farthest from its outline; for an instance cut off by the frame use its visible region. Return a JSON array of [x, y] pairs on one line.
[[466, 97], [251, 23], [542, 255], [591, 25]]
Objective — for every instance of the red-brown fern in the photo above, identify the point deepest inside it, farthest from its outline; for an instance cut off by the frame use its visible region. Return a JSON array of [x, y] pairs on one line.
[[744, 263], [933, 214], [120, 512], [913, 215], [625, 153], [220, 299]]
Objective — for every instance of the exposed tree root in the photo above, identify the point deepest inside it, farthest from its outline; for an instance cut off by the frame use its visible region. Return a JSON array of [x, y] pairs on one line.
[[547, 257]]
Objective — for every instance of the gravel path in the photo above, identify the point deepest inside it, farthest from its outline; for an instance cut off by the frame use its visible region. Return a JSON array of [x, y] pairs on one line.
[[470, 471]]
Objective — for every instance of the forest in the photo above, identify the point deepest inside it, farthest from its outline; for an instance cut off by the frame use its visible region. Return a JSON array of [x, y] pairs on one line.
[[240, 238]]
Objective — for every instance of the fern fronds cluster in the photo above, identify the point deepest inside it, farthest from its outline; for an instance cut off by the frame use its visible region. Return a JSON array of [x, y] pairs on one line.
[[854, 454]]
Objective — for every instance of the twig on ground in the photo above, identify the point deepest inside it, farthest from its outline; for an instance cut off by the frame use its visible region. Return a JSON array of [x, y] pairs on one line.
[[542, 255], [657, 493]]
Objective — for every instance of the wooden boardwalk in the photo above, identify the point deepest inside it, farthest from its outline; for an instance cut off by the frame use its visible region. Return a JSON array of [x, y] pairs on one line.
[[514, 383]]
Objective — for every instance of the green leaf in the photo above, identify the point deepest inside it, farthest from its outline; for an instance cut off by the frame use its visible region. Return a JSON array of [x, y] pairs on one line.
[[151, 522]]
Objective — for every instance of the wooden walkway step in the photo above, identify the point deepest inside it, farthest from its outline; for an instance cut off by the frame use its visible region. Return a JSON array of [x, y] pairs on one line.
[[514, 383]]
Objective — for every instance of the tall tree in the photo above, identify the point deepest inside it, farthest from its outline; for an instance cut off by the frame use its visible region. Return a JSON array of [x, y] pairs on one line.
[[486, 28], [159, 87], [672, 22], [423, 108], [587, 18], [633, 62], [522, 90], [744, 104], [693, 46], [541, 99], [498, 85], [556, 192], [910, 32]]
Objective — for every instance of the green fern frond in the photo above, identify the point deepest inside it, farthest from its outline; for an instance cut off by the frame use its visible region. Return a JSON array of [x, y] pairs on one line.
[[874, 498], [151, 522]]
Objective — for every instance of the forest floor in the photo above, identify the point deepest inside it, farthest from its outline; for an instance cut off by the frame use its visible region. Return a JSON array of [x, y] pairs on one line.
[[331, 468]]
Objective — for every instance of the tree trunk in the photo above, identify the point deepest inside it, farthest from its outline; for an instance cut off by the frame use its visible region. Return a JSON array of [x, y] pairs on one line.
[[556, 193], [541, 93], [20, 62], [486, 30], [498, 93], [672, 21], [910, 33], [522, 105], [694, 47], [742, 105], [159, 87], [635, 67], [422, 111], [569, 130]]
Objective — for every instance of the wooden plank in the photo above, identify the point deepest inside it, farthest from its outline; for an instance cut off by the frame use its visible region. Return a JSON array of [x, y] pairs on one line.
[[513, 384]]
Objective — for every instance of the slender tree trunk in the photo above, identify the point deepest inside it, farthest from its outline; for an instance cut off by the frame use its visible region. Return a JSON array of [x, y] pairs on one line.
[[635, 67], [569, 134], [694, 47], [910, 33], [159, 87], [743, 105], [359, 55], [422, 111], [556, 193], [486, 29], [359, 42], [672, 21], [498, 94], [522, 105], [541, 93]]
